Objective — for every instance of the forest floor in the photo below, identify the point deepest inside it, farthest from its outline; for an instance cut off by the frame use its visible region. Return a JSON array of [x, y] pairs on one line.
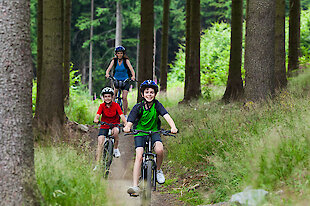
[[120, 177]]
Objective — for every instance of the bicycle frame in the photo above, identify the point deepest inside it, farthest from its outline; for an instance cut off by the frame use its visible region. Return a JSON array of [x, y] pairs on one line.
[[148, 165], [118, 96], [107, 154], [119, 99]]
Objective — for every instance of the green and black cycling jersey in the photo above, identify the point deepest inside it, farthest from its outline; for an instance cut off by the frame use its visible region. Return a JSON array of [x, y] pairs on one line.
[[147, 119]]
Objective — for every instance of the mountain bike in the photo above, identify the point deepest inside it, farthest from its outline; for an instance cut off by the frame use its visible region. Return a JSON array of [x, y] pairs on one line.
[[120, 85], [107, 154], [148, 165]]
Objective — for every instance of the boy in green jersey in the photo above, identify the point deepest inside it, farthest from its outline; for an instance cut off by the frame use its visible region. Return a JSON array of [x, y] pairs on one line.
[[145, 114]]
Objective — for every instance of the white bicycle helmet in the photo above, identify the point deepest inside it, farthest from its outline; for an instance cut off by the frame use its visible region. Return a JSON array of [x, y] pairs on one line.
[[107, 90]]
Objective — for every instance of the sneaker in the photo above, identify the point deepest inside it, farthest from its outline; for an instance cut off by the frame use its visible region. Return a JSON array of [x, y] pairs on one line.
[[116, 153], [160, 177], [133, 191], [96, 168]]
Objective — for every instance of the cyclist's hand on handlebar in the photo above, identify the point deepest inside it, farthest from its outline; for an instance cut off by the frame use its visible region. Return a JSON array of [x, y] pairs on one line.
[[96, 121], [126, 129], [133, 78], [107, 75], [174, 130]]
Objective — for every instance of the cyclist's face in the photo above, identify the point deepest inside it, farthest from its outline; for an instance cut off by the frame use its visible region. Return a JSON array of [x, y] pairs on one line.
[[149, 94], [107, 98], [119, 55]]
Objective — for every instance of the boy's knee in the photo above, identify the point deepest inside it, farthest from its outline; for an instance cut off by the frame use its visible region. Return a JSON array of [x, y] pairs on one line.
[[159, 148], [139, 154], [115, 132], [101, 139]]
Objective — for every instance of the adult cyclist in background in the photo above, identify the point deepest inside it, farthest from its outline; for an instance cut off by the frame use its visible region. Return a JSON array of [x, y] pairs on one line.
[[122, 71]]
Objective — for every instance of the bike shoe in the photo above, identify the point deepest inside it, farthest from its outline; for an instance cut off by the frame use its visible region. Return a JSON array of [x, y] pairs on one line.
[[133, 191], [117, 153], [160, 177]]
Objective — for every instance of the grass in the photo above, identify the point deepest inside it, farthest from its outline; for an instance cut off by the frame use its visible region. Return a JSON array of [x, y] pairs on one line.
[[65, 177], [226, 148]]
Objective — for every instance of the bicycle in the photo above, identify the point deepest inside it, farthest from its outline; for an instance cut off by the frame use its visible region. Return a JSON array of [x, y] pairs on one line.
[[148, 165], [119, 85], [107, 154]]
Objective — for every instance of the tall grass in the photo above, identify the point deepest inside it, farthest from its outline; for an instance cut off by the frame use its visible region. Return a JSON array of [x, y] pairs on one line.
[[65, 177], [227, 148], [81, 107]]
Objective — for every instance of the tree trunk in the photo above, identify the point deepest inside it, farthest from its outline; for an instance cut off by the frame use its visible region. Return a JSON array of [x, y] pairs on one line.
[[164, 47], [50, 112], [90, 74], [119, 19], [84, 72], [146, 42], [294, 35], [280, 67], [193, 90], [188, 45], [17, 180], [154, 56], [234, 88], [67, 34], [259, 56], [137, 60], [39, 48]]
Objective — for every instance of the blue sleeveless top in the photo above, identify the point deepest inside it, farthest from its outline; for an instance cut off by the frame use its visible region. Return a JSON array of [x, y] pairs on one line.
[[120, 72]]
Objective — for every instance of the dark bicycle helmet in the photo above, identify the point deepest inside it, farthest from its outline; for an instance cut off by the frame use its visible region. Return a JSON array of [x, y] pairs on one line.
[[107, 90], [120, 49], [148, 84]]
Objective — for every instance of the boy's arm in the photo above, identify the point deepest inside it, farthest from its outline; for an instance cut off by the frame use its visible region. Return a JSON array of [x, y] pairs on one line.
[[127, 127], [107, 73], [123, 119], [171, 123], [96, 119]]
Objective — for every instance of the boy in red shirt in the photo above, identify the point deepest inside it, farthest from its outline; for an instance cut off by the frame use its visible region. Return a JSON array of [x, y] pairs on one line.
[[110, 112]]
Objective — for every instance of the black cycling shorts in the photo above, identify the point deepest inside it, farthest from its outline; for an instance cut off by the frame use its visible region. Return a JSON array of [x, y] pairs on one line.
[[141, 140], [122, 85], [105, 132]]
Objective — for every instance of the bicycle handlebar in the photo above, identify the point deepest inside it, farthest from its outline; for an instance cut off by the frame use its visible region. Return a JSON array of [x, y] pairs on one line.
[[162, 131], [110, 124], [128, 79]]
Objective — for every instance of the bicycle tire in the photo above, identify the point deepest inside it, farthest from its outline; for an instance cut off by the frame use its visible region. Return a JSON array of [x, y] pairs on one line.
[[107, 157], [119, 99], [147, 190]]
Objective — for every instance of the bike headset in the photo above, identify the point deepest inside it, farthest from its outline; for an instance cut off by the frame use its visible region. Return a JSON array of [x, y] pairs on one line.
[[148, 84]]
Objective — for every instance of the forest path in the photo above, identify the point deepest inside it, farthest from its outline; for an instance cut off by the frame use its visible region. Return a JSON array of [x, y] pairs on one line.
[[120, 178]]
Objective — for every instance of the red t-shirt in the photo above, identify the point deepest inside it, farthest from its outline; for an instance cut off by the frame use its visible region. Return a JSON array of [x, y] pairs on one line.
[[109, 114]]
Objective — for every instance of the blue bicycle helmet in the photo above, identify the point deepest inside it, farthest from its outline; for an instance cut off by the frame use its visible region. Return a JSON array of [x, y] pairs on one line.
[[148, 84], [120, 49]]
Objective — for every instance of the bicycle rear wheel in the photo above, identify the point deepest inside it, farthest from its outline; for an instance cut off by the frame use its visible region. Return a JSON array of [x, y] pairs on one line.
[[107, 157]]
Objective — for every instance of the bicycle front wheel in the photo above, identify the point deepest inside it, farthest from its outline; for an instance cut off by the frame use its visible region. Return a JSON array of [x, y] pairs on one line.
[[147, 190], [107, 157]]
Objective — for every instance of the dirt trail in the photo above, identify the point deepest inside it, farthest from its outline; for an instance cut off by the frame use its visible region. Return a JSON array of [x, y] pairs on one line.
[[120, 179]]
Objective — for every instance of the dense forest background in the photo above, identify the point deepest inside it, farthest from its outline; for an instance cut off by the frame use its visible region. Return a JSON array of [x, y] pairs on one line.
[[215, 20], [256, 135]]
